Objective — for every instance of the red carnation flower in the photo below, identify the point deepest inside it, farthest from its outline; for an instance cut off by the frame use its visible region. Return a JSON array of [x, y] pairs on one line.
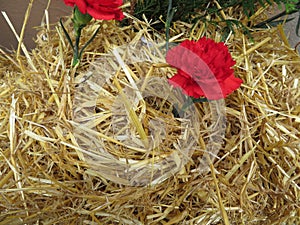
[[204, 69], [99, 9]]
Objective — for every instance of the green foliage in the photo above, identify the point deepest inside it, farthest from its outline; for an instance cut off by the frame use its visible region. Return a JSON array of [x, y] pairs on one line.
[[290, 5], [183, 9], [206, 11], [194, 10]]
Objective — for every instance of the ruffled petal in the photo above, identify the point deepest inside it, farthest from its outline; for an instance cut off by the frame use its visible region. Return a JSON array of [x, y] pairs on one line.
[[101, 10], [104, 13], [230, 84], [82, 6], [204, 69]]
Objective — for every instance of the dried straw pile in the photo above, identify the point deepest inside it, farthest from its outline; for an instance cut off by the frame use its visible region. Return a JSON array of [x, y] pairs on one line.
[[44, 179]]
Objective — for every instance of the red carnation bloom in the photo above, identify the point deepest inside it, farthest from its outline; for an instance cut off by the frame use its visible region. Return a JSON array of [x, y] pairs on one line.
[[99, 9], [204, 69]]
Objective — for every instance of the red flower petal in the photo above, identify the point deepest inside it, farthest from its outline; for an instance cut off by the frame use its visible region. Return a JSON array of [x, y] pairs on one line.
[[104, 13], [99, 9], [204, 69], [69, 2], [230, 84], [82, 6]]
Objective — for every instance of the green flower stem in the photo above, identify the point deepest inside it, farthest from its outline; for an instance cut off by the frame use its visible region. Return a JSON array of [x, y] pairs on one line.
[[77, 54], [188, 103], [196, 100], [66, 33], [76, 57], [80, 20], [88, 42], [170, 15]]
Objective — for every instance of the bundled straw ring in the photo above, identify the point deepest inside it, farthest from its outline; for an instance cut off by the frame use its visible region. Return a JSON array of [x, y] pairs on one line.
[[124, 121]]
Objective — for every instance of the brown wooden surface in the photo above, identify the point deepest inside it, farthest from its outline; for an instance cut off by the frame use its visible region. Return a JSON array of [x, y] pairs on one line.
[[15, 9]]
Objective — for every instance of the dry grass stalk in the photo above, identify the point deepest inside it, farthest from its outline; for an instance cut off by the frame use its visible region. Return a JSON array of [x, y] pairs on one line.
[[44, 178]]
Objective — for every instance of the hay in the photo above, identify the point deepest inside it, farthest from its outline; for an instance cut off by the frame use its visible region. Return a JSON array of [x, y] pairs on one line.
[[46, 177]]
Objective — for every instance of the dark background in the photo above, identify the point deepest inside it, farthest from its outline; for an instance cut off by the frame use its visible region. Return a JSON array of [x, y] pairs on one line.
[[15, 9]]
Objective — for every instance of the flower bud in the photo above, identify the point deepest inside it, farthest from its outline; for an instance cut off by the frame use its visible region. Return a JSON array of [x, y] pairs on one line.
[[80, 20]]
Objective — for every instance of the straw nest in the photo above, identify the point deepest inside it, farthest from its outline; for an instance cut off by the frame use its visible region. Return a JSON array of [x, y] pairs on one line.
[[65, 151]]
